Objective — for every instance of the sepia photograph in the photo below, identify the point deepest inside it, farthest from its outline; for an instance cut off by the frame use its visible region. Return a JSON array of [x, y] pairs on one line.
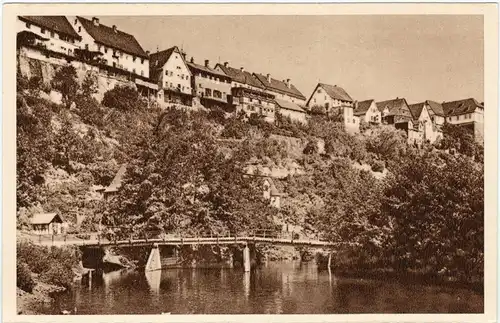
[[177, 164]]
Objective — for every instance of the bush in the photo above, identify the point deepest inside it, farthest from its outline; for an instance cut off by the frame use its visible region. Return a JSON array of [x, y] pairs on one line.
[[24, 279], [90, 111], [311, 148], [58, 275], [65, 81], [121, 97], [378, 166]]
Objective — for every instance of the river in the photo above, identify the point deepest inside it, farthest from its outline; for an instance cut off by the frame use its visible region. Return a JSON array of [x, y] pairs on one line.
[[276, 288]]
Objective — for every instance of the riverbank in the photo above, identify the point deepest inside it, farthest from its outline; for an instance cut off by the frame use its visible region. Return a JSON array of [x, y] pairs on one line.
[[31, 303]]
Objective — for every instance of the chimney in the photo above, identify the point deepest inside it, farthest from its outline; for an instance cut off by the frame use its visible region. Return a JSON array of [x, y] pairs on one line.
[[183, 55], [207, 63], [95, 21], [242, 69], [288, 83], [115, 29], [226, 64], [355, 104], [192, 59], [268, 77]]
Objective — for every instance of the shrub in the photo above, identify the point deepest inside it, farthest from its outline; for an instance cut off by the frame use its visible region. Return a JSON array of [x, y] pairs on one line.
[[24, 279], [121, 97], [90, 111], [217, 115], [311, 148], [65, 81], [90, 84], [58, 275], [378, 166]]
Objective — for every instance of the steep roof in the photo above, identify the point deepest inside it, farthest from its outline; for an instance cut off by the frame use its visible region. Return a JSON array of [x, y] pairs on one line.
[[206, 69], [288, 105], [59, 24], [396, 107], [240, 76], [116, 39], [45, 218], [157, 61], [363, 107], [336, 92], [280, 86], [435, 108], [117, 180], [461, 106], [416, 110]]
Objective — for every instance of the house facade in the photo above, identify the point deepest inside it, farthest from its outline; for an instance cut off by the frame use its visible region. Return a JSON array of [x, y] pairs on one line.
[[291, 110], [431, 119], [282, 90], [169, 69], [210, 85], [53, 33], [248, 94], [48, 223], [115, 48], [468, 113], [392, 110], [367, 110], [335, 101], [412, 128]]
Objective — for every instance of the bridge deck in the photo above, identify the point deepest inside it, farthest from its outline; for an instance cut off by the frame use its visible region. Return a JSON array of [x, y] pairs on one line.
[[179, 241]]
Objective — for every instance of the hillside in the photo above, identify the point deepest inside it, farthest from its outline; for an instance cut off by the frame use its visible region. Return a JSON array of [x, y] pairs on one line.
[[389, 204]]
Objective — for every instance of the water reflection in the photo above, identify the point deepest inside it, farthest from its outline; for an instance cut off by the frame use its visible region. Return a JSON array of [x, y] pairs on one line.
[[272, 289]]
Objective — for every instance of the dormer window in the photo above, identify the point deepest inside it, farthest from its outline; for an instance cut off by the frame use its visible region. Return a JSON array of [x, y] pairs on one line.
[[76, 21], [28, 25]]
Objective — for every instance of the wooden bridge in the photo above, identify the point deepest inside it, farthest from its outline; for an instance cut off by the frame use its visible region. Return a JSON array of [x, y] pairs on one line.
[[96, 240]]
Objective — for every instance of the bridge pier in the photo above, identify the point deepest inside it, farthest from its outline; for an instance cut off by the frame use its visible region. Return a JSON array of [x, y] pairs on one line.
[[154, 260], [246, 258]]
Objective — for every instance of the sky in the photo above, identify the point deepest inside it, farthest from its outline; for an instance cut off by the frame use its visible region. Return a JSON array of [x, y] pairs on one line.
[[419, 57]]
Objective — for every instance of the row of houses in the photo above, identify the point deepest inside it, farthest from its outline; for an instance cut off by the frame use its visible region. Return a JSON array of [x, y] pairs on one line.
[[170, 77]]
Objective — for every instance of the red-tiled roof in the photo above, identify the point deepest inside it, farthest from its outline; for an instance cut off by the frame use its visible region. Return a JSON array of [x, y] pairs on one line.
[[363, 107], [279, 86], [461, 107], [240, 76], [115, 39], [54, 23]]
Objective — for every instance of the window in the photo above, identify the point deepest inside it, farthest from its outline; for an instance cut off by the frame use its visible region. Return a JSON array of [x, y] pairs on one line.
[[133, 58], [79, 29], [134, 71], [171, 84], [171, 73], [87, 46], [114, 64], [42, 31], [99, 47], [183, 88], [187, 77], [142, 60], [208, 92], [76, 20], [319, 90], [28, 25], [166, 72], [105, 50]]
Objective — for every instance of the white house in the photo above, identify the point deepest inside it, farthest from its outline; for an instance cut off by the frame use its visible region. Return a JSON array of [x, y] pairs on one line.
[[48, 223], [169, 69], [292, 110], [248, 94], [430, 115], [467, 112], [117, 48], [367, 110], [53, 33]]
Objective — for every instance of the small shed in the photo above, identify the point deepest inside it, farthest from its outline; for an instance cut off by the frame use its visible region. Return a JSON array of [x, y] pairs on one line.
[[48, 223]]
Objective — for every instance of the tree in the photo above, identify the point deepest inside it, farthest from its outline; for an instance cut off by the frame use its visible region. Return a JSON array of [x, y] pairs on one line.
[[459, 138], [65, 81], [386, 142], [436, 203], [90, 84], [122, 97]]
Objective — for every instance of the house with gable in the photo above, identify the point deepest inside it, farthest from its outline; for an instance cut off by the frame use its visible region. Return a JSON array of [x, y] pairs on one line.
[[282, 90], [210, 85], [248, 94], [430, 115], [334, 99], [468, 113], [392, 109], [168, 68], [118, 49], [48, 35], [367, 110]]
